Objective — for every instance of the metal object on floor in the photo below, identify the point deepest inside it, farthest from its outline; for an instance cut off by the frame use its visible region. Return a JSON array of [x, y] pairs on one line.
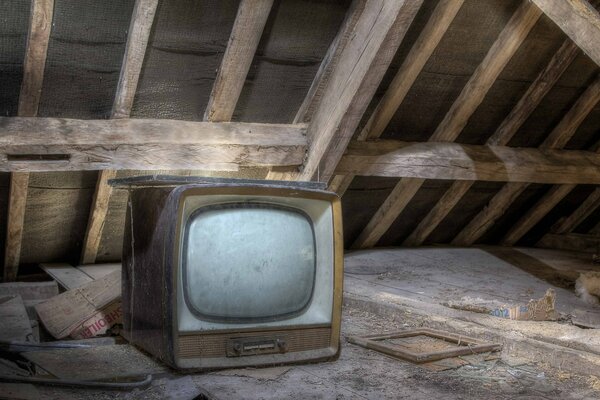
[[466, 345]]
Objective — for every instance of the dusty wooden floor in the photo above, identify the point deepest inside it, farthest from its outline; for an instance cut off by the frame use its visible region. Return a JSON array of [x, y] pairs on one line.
[[395, 289]]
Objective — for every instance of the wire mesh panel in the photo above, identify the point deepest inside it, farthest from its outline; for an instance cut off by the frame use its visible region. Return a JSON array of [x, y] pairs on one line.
[[84, 58], [14, 23]]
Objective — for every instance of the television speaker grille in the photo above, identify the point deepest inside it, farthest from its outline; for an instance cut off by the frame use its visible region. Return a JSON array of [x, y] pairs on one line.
[[215, 345]]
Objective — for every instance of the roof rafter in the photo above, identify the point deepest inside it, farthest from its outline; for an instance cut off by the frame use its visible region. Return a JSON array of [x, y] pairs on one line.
[[568, 224], [579, 20], [38, 37], [453, 161], [502, 50], [573, 120], [421, 51], [558, 138], [140, 27], [247, 29], [329, 63], [507, 129], [363, 62]]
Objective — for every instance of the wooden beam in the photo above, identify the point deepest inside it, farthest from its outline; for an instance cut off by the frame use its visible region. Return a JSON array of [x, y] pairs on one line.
[[249, 23], [579, 20], [571, 241], [421, 51], [535, 93], [330, 62], [140, 27], [453, 161], [433, 218], [29, 98], [540, 209], [35, 57], [571, 222], [505, 46], [97, 217], [319, 83], [484, 220], [511, 124], [133, 59], [17, 201], [381, 221], [363, 62], [508, 42], [566, 128], [54, 144], [559, 136]]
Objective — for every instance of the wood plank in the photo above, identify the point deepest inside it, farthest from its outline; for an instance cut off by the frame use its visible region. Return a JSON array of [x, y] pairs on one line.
[[535, 93], [411, 67], [510, 125], [40, 25], [98, 211], [542, 207], [65, 312], [484, 220], [500, 53], [330, 61], [559, 137], [508, 42], [14, 321], [66, 275], [35, 57], [249, 23], [591, 203], [97, 271], [437, 213], [571, 241], [579, 20], [386, 214], [30, 290], [328, 65], [116, 362], [17, 202], [52, 144], [566, 128], [453, 161], [340, 183], [377, 35], [140, 26]]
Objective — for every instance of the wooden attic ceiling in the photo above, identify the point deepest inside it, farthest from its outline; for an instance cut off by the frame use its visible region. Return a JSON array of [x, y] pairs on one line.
[[497, 77]]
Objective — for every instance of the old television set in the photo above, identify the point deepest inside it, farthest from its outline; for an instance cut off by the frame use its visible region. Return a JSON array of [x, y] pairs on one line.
[[229, 273]]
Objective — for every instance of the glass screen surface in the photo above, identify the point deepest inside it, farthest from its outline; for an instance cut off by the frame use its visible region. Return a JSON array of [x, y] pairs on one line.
[[248, 261]]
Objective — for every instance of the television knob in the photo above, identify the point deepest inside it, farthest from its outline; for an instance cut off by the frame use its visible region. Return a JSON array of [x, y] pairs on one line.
[[282, 344], [237, 347]]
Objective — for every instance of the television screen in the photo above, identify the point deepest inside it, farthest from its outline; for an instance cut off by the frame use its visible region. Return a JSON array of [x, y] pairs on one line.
[[248, 262]]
